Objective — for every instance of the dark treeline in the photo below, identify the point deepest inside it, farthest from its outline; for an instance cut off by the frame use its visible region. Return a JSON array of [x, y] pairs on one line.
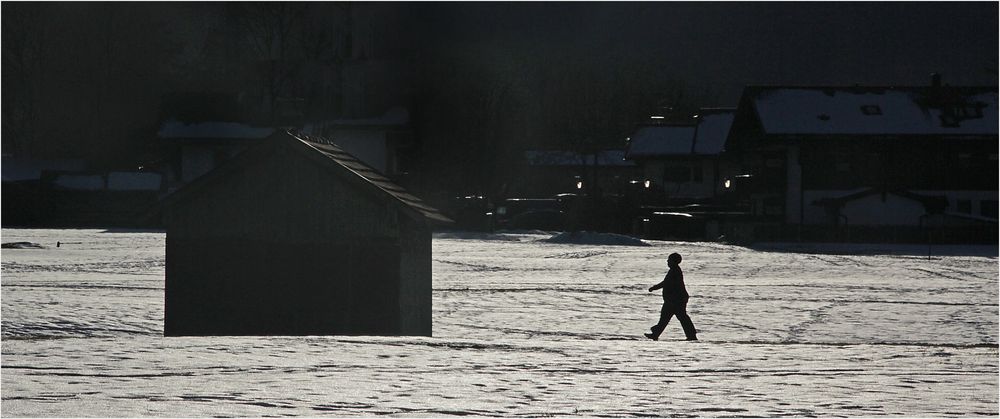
[[522, 83], [83, 79], [483, 81], [95, 80]]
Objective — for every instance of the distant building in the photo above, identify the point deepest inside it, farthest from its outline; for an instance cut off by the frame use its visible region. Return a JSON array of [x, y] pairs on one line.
[[552, 172], [197, 148], [66, 193], [27, 192], [381, 142], [684, 160], [297, 237], [870, 156], [24, 170]]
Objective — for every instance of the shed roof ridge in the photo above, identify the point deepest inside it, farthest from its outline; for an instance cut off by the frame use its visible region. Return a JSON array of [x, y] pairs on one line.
[[338, 155]]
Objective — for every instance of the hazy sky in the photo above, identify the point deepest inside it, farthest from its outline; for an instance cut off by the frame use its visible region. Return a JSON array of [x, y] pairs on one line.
[[728, 45]]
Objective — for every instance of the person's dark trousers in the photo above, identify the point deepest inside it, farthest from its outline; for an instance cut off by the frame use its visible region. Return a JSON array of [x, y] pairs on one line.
[[675, 307]]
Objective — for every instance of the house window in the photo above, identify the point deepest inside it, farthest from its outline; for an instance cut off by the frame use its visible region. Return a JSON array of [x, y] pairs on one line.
[[871, 110], [964, 160], [840, 161], [677, 174], [988, 209], [963, 206], [952, 115], [969, 111]]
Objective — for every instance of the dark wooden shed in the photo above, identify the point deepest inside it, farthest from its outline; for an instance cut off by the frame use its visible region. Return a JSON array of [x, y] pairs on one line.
[[297, 237]]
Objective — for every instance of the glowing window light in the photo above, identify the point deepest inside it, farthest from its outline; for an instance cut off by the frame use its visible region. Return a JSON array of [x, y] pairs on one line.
[[579, 185], [728, 183], [646, 184]]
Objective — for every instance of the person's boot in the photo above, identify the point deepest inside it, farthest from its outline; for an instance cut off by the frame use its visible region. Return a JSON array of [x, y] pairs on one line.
[[689, 331], [693, 335], [655, 333]]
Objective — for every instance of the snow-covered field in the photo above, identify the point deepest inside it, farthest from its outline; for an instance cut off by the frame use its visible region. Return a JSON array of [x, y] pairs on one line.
[[524, 328]]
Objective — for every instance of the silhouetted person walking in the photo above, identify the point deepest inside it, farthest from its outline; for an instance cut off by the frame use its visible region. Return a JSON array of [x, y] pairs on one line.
[[675, 299]]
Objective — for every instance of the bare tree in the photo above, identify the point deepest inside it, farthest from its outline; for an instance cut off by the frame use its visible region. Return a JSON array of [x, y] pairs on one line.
[[23, 49], [268, 28], [81, 80], [125, 47]]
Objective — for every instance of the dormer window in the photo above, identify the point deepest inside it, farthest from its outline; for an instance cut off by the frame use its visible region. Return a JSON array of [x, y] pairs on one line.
[[969, 111], [952, 115], [871, 110]]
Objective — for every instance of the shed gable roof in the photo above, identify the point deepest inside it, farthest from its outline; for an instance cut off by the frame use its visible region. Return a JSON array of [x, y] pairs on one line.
[[333, 157], [338, 156]]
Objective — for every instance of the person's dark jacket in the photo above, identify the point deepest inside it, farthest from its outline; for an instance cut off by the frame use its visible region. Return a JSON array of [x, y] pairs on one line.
[[672, 284]]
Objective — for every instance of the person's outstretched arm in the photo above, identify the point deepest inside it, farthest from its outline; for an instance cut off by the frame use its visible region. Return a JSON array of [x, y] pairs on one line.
[[658, 286]]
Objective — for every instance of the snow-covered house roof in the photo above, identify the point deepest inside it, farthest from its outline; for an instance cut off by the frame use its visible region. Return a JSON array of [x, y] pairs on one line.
[[393, 118], [15, 170], [713, 129], [926, 110], [212, 130], [570, 158], [934, 204], [706, 137], [661, 140]]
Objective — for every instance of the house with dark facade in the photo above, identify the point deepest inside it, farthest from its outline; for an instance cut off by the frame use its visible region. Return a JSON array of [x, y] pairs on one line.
[[297, 237], [890, 160], [684, 160]]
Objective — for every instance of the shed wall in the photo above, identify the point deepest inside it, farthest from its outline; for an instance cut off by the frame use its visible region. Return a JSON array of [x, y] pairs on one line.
[[250, 287], [283, 245], [415, 287]]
